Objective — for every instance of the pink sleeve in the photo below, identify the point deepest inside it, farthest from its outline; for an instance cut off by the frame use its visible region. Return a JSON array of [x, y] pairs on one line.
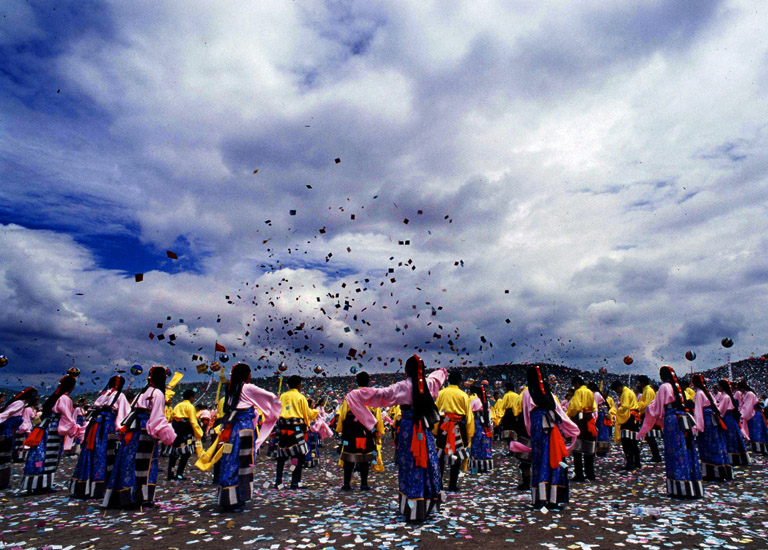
[[267, 403], [528, 406], [157, 425], [567, 426], [123, 409], [14, 409], [747, 408], [360, 399], [436, 380], [67, 424], [476, 404], [26, 423], [700, 401], [655, 411], [723, 403], [599, 399]]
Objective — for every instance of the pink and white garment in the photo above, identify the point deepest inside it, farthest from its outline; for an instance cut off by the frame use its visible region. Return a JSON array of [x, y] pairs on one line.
[[747, 402], [400, 393], [158, 426], [724, 404], [68, 426], [567, 427], [253, 396], [320, 425], [121, 407]]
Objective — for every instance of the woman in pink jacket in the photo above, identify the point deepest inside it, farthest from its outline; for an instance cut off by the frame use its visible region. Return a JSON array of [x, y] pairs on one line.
[[134, 475], [45, 442]]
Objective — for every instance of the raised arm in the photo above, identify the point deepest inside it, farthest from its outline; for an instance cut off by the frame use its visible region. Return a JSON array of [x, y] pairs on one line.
[[157, 425], [67, 422], [268, 403]]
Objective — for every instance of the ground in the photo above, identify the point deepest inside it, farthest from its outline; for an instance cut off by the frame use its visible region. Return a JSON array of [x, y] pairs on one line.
[[618, 510]]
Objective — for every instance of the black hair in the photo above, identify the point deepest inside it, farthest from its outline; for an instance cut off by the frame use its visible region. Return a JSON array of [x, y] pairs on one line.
[[617, 386], [479, 391], [509, 386], [241, 374], [742, 386], [454, 377], [698, 382], [294, 381], [27, 394], [577, 382], [539, 389], [667, 374], [188, 395], [424, 407], [66, 385], [116, 383], [643, 380], [363, 379], [725, 386]]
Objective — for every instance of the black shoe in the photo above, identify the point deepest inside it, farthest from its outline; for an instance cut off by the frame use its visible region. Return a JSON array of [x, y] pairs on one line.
[[453, 489], [365, 487], [180, 477], [578, 479], [236, 509], [346, 488], [523, 487], [295, 486]]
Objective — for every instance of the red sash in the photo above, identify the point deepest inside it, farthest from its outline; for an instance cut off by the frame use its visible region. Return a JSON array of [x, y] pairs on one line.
[[557, 449], [419, 446]]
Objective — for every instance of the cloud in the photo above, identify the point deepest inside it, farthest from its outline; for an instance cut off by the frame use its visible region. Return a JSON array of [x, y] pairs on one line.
[[591, 173]]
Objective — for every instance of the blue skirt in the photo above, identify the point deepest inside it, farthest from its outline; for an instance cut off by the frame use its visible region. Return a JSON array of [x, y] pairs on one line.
[[43, 460], [548, 486], [481, 451], [603, 434], [758, 434], [134, 475], [94, 466], [8, 431], [715, 462], [419, 487], [235, 477], [681, 458], [734, 441]]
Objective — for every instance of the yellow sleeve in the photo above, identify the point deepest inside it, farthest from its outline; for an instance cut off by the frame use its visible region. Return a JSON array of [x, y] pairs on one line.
[[575, 405], [470, 422], [379, 422], [192, 416], [341, 416], [220, 408]]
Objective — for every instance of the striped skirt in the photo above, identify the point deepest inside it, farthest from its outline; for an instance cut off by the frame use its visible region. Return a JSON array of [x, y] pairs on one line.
[[680, 456], [452, 440], [236, 465], [419, 487], [481, 450], [291, 440], [715, 462], [8, 443], [134, 475], [43, 460], [734, 441], [97, 457]]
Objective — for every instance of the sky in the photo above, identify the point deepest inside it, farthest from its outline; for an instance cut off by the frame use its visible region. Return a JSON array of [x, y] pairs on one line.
[[347, 183]]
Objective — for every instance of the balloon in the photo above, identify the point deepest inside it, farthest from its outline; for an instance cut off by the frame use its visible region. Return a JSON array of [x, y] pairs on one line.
[[318, 369], [3, 361], [353, 369], [484, 382], [215, 366], [282, 367], [136, 370], [74, 371], [726, 342], [690, 355], [168, 372], [223, 357], [628, 360]]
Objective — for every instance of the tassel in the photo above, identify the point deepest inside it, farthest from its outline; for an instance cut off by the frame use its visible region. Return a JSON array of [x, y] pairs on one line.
[[419, 446]]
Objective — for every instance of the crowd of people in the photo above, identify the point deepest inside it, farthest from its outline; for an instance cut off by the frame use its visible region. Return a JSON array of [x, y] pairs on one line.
[[555, 426]]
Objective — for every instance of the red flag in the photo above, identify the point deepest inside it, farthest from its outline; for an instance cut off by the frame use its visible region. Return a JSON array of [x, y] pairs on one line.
[[220, 348]]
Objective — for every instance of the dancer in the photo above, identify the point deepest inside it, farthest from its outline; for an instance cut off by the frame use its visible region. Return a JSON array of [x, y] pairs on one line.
[[548, 424], [418, 467], [358, 444], [648, 395], [189, 435], [752, 419], [603, 421], [582, 409], [455, 430], [97, 456], [29, 414], [45, 442], [293, 429], [312, 458], [481, 449], [627, 425], [236, 445], [680, 456], [734, 439], [134, 475], [11, 419], [710, 437]]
